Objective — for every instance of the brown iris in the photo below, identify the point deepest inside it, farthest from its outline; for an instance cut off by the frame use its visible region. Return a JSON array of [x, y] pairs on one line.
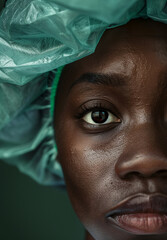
[[99, 116]]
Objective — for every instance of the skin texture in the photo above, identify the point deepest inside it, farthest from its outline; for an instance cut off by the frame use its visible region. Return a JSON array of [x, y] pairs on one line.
[[104, 164]]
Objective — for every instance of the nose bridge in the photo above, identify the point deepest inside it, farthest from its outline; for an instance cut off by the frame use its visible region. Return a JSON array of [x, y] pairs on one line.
[[144, 152]]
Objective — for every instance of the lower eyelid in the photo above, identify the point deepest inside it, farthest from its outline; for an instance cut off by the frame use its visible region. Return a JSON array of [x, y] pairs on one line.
[[97, 129]]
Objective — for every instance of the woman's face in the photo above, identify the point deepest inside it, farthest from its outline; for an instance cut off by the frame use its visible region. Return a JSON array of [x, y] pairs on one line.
[[111, 133]]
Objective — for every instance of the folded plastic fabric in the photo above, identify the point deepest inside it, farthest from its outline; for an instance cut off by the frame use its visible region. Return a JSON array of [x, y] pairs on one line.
[[36, 37]]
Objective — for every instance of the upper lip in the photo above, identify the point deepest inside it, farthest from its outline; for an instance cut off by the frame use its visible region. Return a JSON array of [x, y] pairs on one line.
[[141, 203]]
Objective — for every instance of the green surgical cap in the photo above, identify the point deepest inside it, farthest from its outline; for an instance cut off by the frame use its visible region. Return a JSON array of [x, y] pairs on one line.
[[37, 37]]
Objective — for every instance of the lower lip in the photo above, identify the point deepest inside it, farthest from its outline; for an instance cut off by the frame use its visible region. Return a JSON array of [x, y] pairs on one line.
[[142, 223]]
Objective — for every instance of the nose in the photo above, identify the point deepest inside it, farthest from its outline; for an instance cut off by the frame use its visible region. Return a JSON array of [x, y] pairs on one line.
[[144, 154]]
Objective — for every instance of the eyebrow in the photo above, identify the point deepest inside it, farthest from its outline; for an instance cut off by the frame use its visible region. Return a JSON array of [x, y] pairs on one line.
[[114, 79]]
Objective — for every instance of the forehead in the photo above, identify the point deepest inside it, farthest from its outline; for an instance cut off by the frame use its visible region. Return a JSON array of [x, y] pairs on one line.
[[131, 50]]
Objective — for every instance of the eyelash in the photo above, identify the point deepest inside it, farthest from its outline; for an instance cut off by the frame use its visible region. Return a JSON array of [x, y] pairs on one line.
[[85, 109]]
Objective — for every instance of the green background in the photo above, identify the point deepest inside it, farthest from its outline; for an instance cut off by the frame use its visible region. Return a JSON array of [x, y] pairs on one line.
[[29, 211]]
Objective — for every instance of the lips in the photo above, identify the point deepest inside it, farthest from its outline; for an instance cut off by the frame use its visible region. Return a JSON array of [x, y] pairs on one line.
[[141, 214]]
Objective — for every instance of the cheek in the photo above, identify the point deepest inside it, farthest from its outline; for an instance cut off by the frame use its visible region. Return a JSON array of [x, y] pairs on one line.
[[88, 163]]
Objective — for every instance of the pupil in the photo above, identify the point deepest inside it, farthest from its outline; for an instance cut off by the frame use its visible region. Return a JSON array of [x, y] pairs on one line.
[[99, 116]]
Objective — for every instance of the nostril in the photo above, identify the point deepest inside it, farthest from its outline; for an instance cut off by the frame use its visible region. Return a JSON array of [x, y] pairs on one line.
[[132, 174], [159, 173], [145, 165], [135, 174]]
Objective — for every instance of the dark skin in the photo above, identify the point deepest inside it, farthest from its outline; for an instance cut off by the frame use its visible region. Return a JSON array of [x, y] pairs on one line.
[[104, 163]]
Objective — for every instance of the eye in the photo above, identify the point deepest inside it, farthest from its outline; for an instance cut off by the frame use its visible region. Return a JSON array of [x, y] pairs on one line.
[[100, 117]]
